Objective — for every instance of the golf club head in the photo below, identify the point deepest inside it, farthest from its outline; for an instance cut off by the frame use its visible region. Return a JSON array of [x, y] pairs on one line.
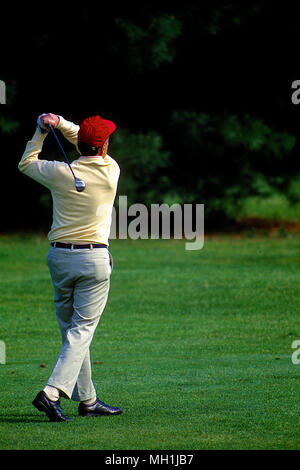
[[79, 185]]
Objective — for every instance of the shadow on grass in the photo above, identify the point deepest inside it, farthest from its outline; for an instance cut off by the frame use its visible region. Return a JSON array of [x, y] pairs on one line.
[[23, 418]]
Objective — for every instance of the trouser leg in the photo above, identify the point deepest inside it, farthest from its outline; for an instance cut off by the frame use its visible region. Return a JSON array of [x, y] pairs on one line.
[[79, 305], [84, 386]]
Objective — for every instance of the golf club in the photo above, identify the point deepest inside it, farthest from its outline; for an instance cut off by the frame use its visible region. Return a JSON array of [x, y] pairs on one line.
[[79, 184]]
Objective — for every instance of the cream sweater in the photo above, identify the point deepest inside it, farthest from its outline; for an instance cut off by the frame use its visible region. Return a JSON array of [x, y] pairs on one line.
[[77, 217]]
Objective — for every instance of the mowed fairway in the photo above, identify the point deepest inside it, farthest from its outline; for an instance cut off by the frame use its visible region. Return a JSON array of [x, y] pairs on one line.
[[195, 346]]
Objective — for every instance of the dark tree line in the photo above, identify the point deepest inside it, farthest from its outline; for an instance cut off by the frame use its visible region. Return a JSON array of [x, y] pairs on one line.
[[201, 94]]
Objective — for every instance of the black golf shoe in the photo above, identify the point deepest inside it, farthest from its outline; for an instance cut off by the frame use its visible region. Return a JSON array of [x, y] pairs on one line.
[[98, 409], [51, 408]]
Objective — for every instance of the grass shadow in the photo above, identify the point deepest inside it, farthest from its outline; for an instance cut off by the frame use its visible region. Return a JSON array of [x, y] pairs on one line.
[[23, 418]]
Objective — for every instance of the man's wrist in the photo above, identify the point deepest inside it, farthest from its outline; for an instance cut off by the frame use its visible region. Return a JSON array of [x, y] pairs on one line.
[[42, 131], [39, 134]]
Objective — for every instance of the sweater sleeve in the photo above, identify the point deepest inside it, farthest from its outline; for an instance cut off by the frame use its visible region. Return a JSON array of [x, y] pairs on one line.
[[69, 130], [42, 171]]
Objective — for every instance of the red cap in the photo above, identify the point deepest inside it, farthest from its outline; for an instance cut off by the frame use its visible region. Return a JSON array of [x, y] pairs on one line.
[[95, 131]]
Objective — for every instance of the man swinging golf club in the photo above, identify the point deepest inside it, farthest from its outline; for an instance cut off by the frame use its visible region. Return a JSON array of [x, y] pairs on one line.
[[79, 261]]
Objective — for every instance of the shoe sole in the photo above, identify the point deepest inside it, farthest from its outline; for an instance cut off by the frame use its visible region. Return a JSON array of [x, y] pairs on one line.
[[94, 415]]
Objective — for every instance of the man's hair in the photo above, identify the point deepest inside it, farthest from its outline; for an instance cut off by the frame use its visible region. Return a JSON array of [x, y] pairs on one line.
[[87, 150]]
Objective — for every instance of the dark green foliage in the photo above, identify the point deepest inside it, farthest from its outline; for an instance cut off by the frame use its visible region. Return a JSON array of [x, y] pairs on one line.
[[143, 161], [225, 158], [201, 94], [148, 45]]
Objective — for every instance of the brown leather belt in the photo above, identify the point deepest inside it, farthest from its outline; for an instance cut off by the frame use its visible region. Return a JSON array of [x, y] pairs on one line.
[[78, 247]]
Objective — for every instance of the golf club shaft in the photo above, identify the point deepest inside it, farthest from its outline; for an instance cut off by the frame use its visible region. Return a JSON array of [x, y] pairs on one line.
[[64, 153]]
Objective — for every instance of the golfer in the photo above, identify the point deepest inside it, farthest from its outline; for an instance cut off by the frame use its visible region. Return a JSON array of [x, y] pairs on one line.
[[79, 261]]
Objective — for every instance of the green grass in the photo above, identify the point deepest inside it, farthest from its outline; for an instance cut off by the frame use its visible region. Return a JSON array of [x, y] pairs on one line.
[[195, 346]]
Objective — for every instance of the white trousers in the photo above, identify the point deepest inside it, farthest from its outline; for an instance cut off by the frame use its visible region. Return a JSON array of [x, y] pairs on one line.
[[81, 285]]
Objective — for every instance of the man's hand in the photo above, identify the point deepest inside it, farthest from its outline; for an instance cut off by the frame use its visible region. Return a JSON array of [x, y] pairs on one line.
[[45, 119]]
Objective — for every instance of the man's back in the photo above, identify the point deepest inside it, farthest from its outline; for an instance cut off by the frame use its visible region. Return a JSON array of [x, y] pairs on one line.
[[83, 217]]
